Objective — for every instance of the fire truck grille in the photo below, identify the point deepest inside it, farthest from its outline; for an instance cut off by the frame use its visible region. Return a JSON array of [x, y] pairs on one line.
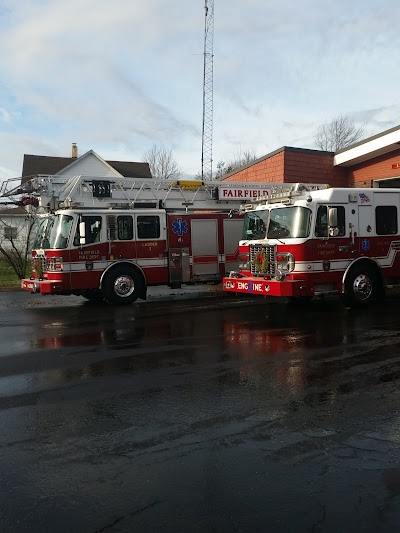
[[262, 260]]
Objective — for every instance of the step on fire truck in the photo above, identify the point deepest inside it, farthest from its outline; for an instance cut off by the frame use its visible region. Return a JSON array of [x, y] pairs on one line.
[[306, 240], [108, 239]]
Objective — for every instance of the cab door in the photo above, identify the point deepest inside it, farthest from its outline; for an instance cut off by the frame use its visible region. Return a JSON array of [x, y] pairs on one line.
[[333, 248], [151, 245], [366, 229]]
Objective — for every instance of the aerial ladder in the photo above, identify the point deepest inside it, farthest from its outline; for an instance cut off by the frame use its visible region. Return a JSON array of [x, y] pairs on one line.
[[50, 193]]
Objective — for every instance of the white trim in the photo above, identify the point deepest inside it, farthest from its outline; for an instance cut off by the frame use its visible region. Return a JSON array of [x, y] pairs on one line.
[[86, 155], [79, 266], [369, 149], [340, 265]]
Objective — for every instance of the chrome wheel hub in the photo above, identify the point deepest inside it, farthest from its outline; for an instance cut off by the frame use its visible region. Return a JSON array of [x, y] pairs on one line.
[[362, 287], [124, 286]]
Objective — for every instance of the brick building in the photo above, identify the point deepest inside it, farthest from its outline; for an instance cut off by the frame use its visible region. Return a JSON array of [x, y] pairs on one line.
[[372, 162]]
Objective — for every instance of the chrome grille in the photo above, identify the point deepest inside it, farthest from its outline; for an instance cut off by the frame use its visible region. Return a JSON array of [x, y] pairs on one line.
[[262, 259]]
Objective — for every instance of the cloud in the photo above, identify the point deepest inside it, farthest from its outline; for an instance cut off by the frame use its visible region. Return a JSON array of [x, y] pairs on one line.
[[118, 77], [8, 116]]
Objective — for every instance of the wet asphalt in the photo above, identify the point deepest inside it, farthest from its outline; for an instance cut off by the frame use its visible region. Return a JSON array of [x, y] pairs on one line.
[[198, 414]]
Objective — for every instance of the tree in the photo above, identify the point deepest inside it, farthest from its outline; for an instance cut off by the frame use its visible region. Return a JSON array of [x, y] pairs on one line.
[[162, 163], [339, 133], [240, 160], [16, 230]]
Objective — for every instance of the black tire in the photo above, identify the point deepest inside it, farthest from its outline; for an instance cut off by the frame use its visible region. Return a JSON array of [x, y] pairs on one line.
[[122, 285], [362, 287], [93, 295]]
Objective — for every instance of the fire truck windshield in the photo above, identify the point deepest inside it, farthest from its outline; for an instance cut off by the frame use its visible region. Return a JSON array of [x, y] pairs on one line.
[[280, 223], [44, 225], [255, 224], [289, 223], [60, 230]]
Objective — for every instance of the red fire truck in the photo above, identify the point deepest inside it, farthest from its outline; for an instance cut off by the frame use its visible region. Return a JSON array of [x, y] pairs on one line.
[[108, 239], [307, 240]]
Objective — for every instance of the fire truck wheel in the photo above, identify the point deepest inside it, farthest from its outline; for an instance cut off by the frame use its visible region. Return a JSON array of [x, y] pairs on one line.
[[121, 286], [362, 286]]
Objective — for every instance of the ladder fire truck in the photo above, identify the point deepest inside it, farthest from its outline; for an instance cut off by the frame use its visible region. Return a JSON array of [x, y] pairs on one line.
[[108, 239], [305, 240]]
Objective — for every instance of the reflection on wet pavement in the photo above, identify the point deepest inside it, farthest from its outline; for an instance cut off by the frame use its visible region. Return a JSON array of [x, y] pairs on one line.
[[200, 419]]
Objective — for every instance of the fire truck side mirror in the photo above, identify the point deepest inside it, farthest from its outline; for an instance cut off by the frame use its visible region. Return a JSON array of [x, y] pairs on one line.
[[82, 232], [332, 217]]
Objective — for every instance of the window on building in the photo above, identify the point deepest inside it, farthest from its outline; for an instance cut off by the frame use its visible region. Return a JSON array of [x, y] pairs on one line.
[[125, 228], [148, 227], [386, 220], [10, 233]]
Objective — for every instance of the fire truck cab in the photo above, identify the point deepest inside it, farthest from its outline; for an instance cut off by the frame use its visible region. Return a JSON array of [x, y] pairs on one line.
[[306, 240]]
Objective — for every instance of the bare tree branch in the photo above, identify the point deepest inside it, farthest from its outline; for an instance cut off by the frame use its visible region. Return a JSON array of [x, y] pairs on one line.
[[162, 163], [240, 160], [339, 133], [15, 241]]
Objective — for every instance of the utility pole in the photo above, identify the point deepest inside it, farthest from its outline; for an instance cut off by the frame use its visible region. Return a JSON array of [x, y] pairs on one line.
[[207, 132]]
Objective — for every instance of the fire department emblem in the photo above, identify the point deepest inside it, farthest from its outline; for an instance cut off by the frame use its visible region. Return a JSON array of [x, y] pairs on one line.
[[179, 227]]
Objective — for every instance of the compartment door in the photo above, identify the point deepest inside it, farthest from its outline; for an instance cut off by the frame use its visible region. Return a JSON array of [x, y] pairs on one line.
[[205, 262], [233, 229]]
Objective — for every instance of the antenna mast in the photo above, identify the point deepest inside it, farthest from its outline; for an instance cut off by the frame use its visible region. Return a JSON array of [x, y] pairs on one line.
[[207, 132]]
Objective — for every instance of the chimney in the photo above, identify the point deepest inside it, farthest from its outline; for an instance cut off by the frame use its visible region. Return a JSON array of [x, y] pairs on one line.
[[74, 153]]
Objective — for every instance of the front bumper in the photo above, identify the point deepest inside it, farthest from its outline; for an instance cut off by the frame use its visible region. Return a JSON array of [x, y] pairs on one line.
[[264, 287], [41, 286]]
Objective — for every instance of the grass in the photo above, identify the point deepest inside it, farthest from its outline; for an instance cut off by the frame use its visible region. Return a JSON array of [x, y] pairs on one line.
[[8, 278]]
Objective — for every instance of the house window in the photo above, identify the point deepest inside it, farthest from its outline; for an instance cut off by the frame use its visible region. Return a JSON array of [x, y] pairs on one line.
[[10, 233]]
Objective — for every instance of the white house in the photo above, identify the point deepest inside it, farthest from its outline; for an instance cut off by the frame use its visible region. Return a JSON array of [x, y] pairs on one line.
[[14, 227], [89, 164]]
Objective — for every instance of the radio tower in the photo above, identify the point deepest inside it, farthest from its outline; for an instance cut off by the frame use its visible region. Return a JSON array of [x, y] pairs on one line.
[[207, 133]]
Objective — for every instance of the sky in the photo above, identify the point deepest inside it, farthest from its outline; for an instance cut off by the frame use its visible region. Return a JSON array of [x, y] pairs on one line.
[[119, 77]]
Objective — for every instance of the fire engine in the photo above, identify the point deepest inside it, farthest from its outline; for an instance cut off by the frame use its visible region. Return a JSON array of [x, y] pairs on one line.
[[306, 240], [109, 239]]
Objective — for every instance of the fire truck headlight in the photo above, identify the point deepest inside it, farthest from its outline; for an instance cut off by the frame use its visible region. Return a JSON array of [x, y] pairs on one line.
[[244, 263], [285, 263], [54, 264]]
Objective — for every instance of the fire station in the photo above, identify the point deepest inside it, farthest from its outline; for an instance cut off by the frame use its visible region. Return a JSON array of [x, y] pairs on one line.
[[373, 162]]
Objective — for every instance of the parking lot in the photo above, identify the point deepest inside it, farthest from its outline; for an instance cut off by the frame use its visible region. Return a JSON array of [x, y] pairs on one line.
[[198, 413]]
